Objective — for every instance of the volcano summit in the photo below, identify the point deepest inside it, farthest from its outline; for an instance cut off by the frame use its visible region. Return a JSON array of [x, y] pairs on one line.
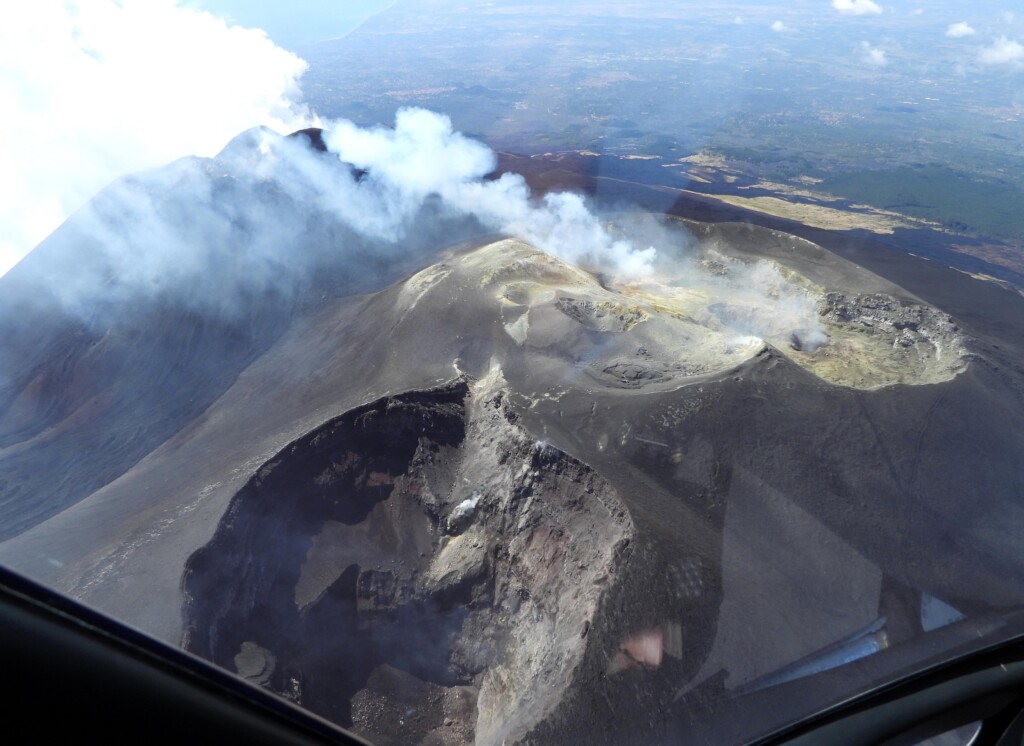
[[486, 493]]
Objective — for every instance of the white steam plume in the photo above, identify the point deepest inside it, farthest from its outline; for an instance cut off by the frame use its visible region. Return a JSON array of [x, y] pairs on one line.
[[422, 157], [270, 214], [99, 88], [94, 89], [270, 211]]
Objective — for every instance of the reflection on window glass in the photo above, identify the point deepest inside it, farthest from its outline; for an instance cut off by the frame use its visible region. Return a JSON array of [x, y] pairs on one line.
[[964, 735]]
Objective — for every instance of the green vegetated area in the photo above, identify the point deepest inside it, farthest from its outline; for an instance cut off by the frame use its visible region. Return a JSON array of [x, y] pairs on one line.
[[950, 197]]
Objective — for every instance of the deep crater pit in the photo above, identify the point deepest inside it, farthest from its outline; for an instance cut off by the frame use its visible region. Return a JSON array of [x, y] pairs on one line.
[[417, 567]]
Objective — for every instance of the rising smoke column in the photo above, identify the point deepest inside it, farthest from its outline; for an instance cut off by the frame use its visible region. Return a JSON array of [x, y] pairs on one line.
[[99, 88], [423, 156]]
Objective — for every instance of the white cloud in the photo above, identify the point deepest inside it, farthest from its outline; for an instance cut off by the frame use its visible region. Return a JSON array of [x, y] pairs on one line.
[[94, 89], [872, 55], [917, 12], [856, 7], [957, 30], [1002, 51], [738, 20], [779, 26]]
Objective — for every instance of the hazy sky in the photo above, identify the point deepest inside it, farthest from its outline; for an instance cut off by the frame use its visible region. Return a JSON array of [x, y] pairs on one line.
[[292, 24]]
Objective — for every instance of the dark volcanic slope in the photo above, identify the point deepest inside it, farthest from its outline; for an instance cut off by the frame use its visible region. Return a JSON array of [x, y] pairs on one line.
[[108, 348], [83, 402], [394, 457]]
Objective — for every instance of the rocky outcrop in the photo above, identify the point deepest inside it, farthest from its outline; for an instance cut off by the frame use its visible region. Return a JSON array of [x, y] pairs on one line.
[[877, 340]]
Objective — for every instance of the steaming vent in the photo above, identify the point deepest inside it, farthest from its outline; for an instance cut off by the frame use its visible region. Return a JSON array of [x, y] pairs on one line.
[[698, 317]]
